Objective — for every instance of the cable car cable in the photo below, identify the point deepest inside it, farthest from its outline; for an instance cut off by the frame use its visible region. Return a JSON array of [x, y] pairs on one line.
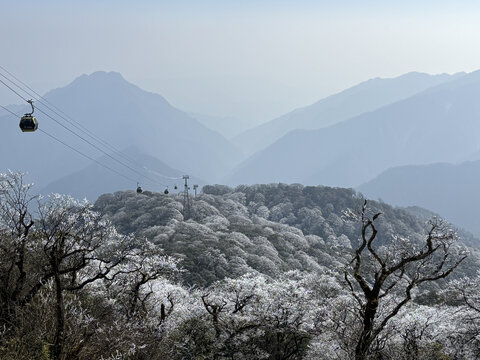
[[10, 111], [164, 176], [96, 147], [13, 90], [85, 155], [76, 150]]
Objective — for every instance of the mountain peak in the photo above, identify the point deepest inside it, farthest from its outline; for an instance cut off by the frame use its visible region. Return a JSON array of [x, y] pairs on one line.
[[106, 75], [100, 76]]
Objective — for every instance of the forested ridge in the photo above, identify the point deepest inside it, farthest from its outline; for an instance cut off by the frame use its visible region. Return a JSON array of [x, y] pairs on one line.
[[269, 229], [253, 272]]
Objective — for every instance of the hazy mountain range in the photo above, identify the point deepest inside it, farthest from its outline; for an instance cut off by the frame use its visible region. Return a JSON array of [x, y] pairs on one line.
[[346, 140], [227, 126], [439, 124], [450, 190], [366, 96]]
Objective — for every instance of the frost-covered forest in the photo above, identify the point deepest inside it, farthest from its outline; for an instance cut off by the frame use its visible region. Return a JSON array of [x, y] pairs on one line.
[[253, 272]]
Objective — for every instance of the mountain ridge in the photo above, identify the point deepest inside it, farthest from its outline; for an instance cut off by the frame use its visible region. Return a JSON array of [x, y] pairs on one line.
[[449, 189], [366, 96], [432, 126]]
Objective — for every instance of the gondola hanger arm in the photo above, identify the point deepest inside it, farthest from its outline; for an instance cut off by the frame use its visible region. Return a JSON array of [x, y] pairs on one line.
[[31, 104]]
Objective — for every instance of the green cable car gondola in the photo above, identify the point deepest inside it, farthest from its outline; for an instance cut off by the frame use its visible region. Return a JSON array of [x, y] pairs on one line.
[[28, 122]]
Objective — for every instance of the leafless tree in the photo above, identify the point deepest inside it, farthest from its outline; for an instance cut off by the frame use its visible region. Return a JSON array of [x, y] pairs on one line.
[[386, 275]]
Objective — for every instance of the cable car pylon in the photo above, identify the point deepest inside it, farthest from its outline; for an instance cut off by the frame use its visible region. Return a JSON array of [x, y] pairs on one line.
[[186, 199]]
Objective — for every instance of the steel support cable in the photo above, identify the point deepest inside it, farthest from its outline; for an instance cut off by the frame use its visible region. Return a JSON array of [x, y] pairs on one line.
[[89, 133], [81, 137], [13, 90], [96, 147], [166, 177], [88, 157], [10, 111]]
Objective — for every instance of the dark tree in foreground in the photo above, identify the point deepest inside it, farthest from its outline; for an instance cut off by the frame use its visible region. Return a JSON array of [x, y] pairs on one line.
[[53, 258], [78, 249], [386, 275]]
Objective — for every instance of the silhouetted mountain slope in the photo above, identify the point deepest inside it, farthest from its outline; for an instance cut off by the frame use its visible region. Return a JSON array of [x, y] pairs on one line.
[[440, 124], [124, 115], [450, 190], [227, 126], [366, 96], [94, 180]]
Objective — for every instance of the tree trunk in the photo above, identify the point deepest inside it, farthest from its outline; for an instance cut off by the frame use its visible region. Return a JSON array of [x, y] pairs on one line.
[[58, 342], [365, 340]]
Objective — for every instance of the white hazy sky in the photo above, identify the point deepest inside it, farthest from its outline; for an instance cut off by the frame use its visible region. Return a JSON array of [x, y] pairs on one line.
[[251, 59]]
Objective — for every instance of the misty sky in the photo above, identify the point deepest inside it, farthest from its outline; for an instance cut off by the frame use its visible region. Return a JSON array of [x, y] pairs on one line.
[[251, 59]]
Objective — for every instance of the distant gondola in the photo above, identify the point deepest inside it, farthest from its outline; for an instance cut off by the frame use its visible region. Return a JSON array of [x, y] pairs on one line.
[[139, 189], [28, 122], [165, 191]]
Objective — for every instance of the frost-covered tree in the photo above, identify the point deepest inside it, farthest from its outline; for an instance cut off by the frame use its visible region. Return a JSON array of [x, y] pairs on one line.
[[55, 259], [256, 317], [17, 283], [384, 276], [463, 297]]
